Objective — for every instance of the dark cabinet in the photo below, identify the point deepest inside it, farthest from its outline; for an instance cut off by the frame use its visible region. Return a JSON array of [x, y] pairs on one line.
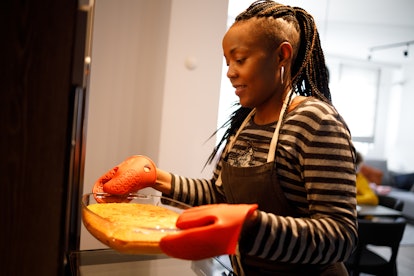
[[39, 92]]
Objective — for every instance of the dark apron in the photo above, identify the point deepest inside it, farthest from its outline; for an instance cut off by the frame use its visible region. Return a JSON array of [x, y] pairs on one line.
[[259, 184]]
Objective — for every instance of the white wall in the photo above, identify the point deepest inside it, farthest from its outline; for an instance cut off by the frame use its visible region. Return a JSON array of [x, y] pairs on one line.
[[400, 151], [191, 96], [143, 99]]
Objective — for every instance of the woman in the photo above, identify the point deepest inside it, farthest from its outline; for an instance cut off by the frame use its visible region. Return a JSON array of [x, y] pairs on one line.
[[365, 194], [282, 197]]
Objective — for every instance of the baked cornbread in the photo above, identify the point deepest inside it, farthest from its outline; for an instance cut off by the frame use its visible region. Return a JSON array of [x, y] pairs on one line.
[[131, 228]]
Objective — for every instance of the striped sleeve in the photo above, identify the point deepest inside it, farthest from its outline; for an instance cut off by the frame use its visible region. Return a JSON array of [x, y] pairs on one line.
[[316, 169], [195, 192]]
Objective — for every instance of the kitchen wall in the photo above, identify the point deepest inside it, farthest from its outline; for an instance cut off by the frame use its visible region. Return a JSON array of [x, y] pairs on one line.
[[155, 84]]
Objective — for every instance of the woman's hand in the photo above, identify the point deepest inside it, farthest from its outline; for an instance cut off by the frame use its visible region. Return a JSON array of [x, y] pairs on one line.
[[207, 231], [133, 174]]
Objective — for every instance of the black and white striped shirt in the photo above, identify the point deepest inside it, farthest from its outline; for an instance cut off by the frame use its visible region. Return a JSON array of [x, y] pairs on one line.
[[316, 169]]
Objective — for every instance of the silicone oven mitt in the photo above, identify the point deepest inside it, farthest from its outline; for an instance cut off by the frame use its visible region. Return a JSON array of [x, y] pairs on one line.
[[133, 174], [207, 231]]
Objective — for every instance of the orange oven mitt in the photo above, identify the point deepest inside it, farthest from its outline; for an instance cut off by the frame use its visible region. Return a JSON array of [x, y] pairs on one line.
[[207, 231], [133, 174]]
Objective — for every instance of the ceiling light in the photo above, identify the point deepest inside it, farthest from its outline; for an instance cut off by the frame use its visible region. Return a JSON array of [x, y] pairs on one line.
[[389, 46], [406, 50]]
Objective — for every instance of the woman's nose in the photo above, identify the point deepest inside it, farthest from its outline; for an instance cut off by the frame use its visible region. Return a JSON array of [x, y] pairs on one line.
[[231, 73]]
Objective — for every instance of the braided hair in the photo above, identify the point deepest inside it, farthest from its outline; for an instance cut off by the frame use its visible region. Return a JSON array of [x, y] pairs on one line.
[[309, 74]]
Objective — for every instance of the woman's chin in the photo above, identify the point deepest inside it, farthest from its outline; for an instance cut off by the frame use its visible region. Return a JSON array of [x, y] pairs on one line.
[[245, 103]]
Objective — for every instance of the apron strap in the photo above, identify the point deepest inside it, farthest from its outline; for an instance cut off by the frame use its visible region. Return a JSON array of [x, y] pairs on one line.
[[273, 143], [233, 140]]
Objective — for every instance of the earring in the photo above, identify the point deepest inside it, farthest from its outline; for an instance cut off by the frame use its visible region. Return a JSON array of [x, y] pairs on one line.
[[282, 73]]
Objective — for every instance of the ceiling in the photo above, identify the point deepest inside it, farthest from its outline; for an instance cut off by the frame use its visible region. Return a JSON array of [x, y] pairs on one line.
[[350, 28]]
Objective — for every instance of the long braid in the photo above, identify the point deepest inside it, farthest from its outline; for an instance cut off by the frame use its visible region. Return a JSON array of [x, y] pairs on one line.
[[232, 125], [310, 66], [309, 74]]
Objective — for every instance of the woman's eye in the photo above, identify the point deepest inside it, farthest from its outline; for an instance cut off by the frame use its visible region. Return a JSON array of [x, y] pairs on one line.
[[236, 61]]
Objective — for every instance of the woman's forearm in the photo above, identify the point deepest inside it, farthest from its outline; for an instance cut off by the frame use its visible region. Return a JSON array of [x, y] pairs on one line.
[[163, 182]]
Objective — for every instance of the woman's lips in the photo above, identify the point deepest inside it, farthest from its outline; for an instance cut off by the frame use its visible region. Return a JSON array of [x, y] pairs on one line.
[[239, 89]]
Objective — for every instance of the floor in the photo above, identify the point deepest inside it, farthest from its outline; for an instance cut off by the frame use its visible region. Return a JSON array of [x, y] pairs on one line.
[[406, 252], [405, 261]]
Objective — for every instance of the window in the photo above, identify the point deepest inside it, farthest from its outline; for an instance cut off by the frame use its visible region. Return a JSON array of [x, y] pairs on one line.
[[354, 90]]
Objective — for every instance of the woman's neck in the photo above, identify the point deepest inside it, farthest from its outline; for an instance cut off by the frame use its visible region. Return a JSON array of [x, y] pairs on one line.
[[270, 112]]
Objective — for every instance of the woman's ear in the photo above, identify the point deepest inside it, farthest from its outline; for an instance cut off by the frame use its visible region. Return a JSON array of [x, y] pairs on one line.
[[285, 53]]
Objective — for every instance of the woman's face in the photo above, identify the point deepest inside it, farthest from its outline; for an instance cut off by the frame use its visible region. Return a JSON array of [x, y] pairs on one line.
[[252, 68]]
